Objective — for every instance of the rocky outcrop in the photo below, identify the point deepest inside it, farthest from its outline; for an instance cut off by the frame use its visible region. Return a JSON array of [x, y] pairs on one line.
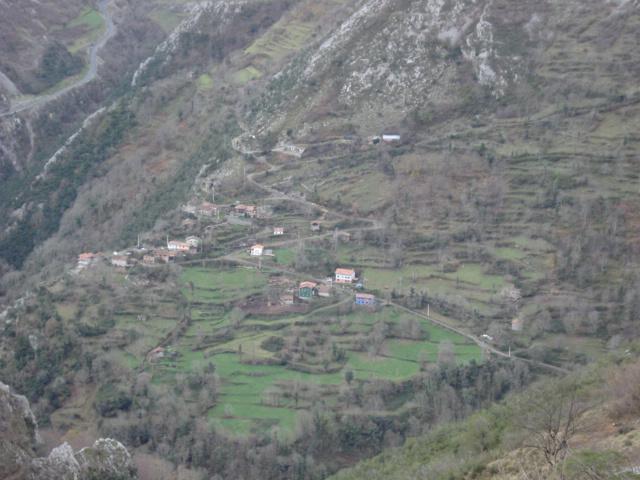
[[106, 459], [15, 145], [19, 434]]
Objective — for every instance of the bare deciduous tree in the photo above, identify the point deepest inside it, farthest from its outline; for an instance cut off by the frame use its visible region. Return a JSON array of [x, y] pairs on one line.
[[550, 415]]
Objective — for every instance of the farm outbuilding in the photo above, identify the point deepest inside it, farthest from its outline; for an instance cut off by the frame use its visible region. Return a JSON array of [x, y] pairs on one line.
[[307, 290]]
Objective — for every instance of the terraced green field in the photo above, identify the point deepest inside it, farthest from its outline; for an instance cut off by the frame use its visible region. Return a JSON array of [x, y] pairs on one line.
[[219, 286], [246, 74], [258, 390]]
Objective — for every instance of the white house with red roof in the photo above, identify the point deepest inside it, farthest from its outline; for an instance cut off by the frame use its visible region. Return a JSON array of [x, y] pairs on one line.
[[86, 259], [177, 246], [345, 275]]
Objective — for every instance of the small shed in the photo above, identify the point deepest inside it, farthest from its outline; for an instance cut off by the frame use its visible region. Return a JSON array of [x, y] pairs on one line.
[[390, 137], [155, 354], [517, 324]]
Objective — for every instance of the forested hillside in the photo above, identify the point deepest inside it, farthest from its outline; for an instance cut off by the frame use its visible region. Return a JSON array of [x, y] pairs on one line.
[[272, 238], [581, 427]]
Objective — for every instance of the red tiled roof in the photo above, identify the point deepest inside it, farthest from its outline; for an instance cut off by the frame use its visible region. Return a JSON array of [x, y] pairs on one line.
[[345, 271]]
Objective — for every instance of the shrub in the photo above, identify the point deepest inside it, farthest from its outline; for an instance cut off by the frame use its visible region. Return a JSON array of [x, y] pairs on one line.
[[110, 399]]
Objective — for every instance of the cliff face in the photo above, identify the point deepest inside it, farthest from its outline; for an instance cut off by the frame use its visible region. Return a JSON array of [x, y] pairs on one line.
[[19, 434], [106, 459]]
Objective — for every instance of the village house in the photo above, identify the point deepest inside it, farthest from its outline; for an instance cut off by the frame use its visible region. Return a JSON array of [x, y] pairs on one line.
[[324, 291], [165, 256], [277, 231], [365, 299], [257, 250], [177, 246], [390, 137], [246, 210], [120, 261], [345, 275], [86, 259], [315, 226], [207, 209], [193, 241], [307, 290], [148, 260]]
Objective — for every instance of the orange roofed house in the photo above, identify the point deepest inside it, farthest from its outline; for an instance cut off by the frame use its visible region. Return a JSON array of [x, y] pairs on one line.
[[86, 259], [345, 275], [250, 211]]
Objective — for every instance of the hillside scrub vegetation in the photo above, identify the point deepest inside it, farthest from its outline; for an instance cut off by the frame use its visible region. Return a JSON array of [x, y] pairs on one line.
[[287, 237], [576, 427]]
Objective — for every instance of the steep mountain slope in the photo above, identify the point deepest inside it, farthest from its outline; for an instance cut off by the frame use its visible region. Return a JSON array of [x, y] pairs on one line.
[[35, 133], [438, 57], [475, 162], [529, 129], [35, 38]]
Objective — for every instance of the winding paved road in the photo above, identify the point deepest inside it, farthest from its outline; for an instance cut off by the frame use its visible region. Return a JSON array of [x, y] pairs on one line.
[[91, 73]]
